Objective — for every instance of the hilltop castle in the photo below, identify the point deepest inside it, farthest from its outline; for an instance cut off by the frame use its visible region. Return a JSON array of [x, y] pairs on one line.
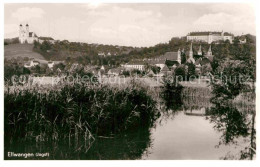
[[210, 37], [25, 36]]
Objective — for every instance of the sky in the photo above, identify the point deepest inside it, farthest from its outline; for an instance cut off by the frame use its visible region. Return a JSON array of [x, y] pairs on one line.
[[139, 25]]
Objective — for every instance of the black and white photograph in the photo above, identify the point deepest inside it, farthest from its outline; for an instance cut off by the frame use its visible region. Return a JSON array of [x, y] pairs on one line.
[[129, 81]]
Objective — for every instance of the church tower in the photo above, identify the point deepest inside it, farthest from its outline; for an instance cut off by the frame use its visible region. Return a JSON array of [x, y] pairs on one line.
[[179, 56], [22, 34], [27, 30], [209, 51], [20, 30], [191, 59], [200, 51], [191, 51]]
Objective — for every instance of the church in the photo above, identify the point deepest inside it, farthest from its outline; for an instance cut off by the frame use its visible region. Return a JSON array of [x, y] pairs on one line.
[[25, 36]]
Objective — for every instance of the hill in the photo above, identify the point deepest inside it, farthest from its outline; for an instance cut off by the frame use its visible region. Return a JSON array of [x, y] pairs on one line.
[[8, 41], [22, 51]]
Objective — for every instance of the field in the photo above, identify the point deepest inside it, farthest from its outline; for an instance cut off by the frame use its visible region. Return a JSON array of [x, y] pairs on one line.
[[21, 50]]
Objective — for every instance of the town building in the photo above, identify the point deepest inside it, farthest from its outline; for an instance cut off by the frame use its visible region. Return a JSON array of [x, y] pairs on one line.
[[115, 71], [209, 37], [49, 39], [171, 57], [139, 65], [52, 63], [32, 63], [242, 39], [156, 62]]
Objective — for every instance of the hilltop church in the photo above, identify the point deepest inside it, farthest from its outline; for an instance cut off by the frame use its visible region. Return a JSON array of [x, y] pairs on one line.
[[25, 36]]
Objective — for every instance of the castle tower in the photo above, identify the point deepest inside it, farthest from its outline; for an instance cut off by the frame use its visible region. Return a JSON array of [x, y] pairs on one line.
[[200, 51], [209, 51], [179, 56]]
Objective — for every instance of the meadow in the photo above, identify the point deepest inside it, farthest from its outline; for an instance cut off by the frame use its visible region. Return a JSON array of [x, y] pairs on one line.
[[18, 50]]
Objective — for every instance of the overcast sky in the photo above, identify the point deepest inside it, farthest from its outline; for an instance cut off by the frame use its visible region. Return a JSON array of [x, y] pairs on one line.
[[128, 24]]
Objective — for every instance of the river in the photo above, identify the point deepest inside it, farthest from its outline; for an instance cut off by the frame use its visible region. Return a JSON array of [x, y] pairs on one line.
[[194, 129]]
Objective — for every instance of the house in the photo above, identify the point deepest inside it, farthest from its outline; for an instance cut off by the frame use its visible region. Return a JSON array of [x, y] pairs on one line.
[[32, 63], [103, 70], [74, 67], [171, 57], [150, 73], [164, 71], [174, 66], [48, 39], [52, 63], [101, 54], [139, 65], [115, 71], [105, 67], [242, 39], [156, 62]]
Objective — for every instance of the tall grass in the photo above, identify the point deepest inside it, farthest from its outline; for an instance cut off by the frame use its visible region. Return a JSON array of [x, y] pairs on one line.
[[200, 92], [74, 112]]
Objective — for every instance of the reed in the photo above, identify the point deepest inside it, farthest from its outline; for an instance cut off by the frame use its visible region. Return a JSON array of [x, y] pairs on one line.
[[200, 92], [76, 112]]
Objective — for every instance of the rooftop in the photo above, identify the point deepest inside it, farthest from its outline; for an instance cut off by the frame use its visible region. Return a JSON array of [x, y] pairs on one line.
[[136, 62], [45, 38], [204, 33], [173, 56]]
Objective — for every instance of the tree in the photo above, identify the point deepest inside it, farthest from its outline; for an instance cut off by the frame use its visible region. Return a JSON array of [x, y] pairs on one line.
[[45, 46], [205, 69], [155, 69], [191, 70], [60, 66], [231, 80], [126, 73], [180, 72]]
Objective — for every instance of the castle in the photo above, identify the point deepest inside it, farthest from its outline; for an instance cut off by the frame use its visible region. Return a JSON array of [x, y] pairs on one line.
[[210, 37], [25, 36]]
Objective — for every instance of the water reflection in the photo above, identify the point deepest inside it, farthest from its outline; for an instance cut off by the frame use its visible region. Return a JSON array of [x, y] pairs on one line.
[[235, 124], [188, 128], [126, 146], [232, 124]]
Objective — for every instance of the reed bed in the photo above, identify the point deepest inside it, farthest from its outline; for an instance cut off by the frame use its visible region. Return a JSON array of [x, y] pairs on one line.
[[200, 92], [76, 112]]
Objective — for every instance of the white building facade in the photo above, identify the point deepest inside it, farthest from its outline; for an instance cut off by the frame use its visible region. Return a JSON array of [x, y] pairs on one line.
[[210, 37], [25, 36]]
